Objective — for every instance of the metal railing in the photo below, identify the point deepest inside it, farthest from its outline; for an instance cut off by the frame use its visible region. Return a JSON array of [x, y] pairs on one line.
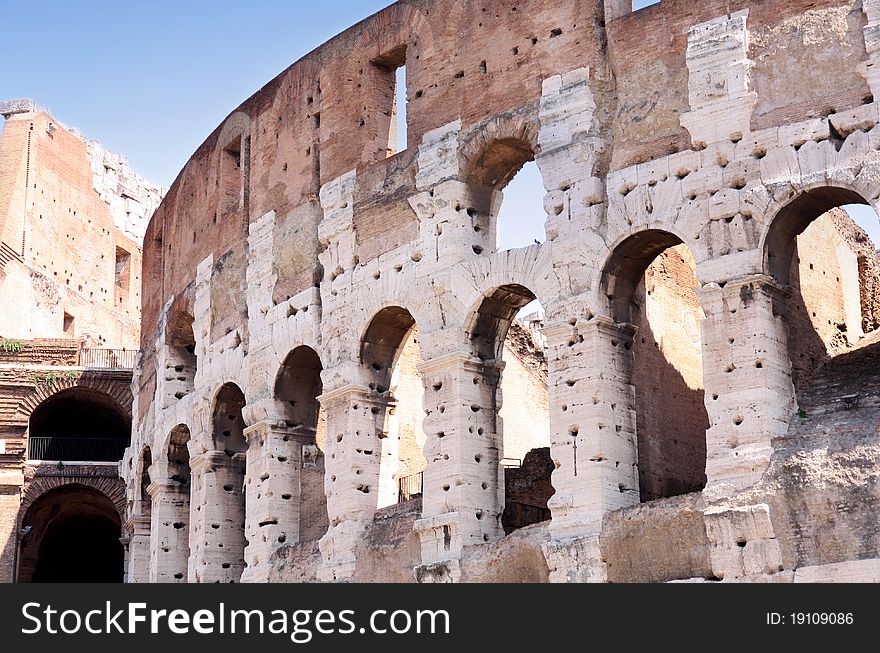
[[114, 359], [410, 487], [77, 449]]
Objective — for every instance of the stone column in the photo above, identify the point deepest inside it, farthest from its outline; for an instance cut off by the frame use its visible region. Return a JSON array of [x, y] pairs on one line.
[[138, 549], [272, 485], [463, 495], [169, 555], [125, 540], [592, 440], [355, 422], [747, 376], [217, 538], [592, 423]]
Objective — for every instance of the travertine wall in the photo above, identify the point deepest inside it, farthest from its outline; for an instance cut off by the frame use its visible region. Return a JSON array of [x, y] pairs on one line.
[[672, 127]]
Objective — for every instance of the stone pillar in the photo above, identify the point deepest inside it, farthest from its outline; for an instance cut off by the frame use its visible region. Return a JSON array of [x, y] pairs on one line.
[[355, 418], [125, 540], [217, 538], [138, 549], [592, 423], [463, 494], [592, 440], [747, 376], [272, 485], [169, 554]]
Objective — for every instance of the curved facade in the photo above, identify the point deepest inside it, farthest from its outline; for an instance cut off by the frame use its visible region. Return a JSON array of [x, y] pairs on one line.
[[718, 129]]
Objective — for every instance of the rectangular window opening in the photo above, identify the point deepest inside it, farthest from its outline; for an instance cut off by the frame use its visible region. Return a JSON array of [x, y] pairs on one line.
[[393, 123], [230, 178], [123, 268]]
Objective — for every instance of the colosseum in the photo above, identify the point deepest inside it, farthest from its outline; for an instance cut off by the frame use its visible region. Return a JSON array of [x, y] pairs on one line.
[[343, 377]]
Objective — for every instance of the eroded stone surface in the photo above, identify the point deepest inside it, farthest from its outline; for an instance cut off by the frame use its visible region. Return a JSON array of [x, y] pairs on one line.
[[648, 136]]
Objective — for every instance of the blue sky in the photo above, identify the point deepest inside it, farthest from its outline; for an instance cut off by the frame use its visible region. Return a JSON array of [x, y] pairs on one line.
[[152, 79]]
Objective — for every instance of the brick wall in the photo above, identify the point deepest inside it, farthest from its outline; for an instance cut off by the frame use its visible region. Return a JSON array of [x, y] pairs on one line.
[[79, 272], [668, 377]]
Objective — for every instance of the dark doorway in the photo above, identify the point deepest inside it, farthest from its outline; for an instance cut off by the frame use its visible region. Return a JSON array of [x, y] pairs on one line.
[[72, 536], [80, 550]]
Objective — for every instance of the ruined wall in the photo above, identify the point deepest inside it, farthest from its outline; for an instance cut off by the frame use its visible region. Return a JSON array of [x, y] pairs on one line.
[[723, 127], [825, 313], [72, 215], [71, 219]]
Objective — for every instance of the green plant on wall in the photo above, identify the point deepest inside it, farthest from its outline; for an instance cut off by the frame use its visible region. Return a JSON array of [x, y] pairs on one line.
[[51, 378], [11, 346]]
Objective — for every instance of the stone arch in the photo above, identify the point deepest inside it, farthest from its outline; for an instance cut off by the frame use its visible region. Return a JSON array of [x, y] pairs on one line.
[[490, 157], [218, 525], [490, 320], [78, 422], [390, 355], [626, 264], [111, 487], [792, 217], [145, 462], [233, 168], [181, 359], [296, 388], [496, 150], [237, 125], [297, 381], [75, 538], [530, 267], [513, 382], [817, 253], [386, 25], [118, 390], [177, 453], [226, 400], [171, 497], [383, 295], [649, 280]]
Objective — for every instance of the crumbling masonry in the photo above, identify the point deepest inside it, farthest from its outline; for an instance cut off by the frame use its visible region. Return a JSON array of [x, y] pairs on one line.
[[713, 394]]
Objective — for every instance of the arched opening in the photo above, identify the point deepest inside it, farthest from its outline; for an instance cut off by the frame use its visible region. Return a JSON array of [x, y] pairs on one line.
[[827, 258], [180, 357], [174, 517], [298, 387], [146, 503], [228, 422], [506, 165], [78, 424], [225, 522], [391, 354], [71, 536], [650, 281], [511, 347]]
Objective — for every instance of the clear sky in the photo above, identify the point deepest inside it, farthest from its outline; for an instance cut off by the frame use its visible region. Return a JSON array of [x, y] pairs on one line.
[[152, 79]]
